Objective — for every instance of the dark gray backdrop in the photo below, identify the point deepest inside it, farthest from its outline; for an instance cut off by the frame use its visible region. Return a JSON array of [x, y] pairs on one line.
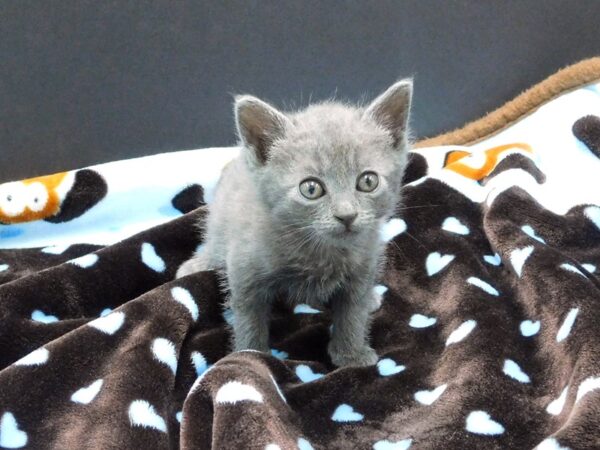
[[88, 81]]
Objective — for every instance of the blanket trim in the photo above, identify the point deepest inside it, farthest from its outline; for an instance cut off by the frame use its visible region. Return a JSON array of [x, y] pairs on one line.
[[565, 80]]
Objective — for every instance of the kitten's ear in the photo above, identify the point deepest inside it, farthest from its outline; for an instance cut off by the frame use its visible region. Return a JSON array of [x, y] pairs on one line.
[[392, 109], [259, 125]]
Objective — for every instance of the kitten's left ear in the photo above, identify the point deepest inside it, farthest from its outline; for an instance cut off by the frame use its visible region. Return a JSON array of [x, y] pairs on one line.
[[391, 109]]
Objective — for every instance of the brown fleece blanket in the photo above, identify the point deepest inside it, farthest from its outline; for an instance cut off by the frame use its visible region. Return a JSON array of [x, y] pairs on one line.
[[488, 333]]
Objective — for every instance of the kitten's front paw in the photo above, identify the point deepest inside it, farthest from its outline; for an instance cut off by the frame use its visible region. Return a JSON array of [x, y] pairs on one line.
[[363, 356], [374, 302], [187, 268]]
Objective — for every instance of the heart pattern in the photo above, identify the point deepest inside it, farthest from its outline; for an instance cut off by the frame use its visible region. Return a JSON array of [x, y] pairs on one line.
[[306, 374], [461, 332], [184, 297], [513, 370], [35, 358], [589, 267], [85, 261], [428, 397], [588, 385], [572, 268], [199, 362], [380, 289], [421, 321], [109, 324], [494, 259], [567, 325], [55, 249], [39, 316], [556, 406], [303, 308], [483, 285], [345, 413], [10, 434], [388, 367], [593, 213], [392, 229], [279, 354], [151, 258], [453, 225], [530, 328], [529, 231], [96, 296], [142, 414], [86, 394], [303, 444], [518, 258], [165, 352], [233, 392], [480, 422], [550, 444], [436, 262], [404, 444], [377, 297]]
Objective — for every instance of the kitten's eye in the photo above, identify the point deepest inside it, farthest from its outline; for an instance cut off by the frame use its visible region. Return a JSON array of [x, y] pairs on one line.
[[311, 189], [367, 182]]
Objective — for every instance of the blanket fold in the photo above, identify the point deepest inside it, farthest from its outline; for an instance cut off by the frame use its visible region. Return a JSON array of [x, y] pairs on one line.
[[487, 333]]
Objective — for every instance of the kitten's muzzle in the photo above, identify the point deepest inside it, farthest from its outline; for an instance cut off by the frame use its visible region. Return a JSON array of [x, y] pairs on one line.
[[346, 219]]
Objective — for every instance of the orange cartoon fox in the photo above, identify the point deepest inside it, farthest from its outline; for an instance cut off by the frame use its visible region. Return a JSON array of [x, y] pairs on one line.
[[34, 198], [455, 160]]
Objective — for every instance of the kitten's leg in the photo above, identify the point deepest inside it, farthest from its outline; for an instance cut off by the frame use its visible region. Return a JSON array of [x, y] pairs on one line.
[[251, 316], [197, 263], [349, 337], [375, 301]]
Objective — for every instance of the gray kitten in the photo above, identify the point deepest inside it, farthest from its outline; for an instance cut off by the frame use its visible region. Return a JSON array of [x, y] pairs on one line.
[[298, 214]]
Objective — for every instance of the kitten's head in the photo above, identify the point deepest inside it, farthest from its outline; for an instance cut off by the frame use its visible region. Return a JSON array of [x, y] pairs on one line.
[[332, 171]]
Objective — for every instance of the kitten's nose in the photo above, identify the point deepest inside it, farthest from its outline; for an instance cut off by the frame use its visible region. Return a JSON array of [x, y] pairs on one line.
[[346, 218]]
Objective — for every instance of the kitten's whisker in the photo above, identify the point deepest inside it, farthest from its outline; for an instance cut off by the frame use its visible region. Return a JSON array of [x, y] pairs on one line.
[[298, 244], [294, 230], [397, 247], [418, 206], [417, 241], [399, 250]]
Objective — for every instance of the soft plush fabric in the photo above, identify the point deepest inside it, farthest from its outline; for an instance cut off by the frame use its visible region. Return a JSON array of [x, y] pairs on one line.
[[487, 333]]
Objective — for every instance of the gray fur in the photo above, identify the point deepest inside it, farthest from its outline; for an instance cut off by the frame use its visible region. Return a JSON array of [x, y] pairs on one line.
[[268, 241]]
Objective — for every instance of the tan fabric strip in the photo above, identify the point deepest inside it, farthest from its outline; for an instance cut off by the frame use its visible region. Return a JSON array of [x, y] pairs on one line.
[[567, 79]]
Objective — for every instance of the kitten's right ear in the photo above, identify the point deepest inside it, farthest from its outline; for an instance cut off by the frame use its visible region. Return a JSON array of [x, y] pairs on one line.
[[259, 125]]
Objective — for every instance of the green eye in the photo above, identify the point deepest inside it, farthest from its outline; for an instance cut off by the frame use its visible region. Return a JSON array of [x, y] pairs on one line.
[[312, 189], [367, 182]]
